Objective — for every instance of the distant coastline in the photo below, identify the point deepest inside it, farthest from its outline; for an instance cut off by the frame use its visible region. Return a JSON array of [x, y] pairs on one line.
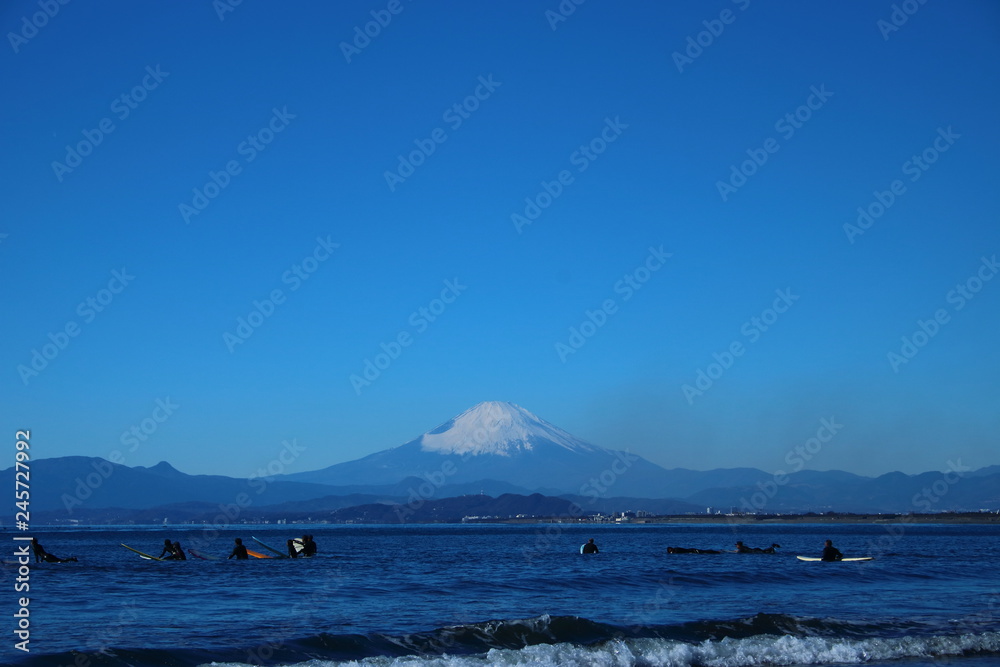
[[953, 518], [986, 518]]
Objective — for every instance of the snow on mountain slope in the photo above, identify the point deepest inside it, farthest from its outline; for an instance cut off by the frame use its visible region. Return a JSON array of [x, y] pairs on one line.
[[498, 428], [504, 443]]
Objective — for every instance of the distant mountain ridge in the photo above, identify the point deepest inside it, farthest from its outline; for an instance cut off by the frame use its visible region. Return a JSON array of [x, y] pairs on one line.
[[74, 481], [496, 449], [504, 442]]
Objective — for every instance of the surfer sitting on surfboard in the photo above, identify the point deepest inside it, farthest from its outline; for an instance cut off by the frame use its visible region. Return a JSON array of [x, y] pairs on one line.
[[176, 553], [589, 547], [172, 551], [309, 547], [239, 551], [42, 555], [831, 552]]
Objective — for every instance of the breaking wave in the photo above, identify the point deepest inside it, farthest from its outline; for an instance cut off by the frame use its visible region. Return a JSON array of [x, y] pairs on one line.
[[764, 639]]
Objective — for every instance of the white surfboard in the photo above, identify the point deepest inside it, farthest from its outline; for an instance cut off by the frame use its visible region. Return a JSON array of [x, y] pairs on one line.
[[842, 560]]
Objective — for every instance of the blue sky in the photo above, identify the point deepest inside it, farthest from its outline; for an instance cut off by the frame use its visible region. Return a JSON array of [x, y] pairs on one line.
[[623, 124]]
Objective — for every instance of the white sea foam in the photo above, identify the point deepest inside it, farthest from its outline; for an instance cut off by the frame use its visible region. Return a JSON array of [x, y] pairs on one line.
[[751, 651]]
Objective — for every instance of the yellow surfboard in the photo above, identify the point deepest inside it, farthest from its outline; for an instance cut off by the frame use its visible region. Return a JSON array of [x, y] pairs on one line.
[[141, 554]]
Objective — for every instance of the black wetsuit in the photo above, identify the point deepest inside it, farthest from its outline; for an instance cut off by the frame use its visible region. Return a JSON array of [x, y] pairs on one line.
[[41, 555], [239, 553], [590, 548], [309, 547], [744, 549], [832, 553]]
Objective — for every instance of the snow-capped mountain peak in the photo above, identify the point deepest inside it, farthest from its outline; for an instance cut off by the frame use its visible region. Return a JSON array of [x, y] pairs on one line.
[[499, 428]]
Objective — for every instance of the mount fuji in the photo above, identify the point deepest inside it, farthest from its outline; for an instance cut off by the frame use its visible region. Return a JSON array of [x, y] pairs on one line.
[[492, 449], [502, 442]]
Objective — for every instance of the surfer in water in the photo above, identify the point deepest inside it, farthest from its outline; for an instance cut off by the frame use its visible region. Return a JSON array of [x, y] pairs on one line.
[[176, 552], [309, 547], [168, 549], [590, 547], [41, 555], [744, 549], [239, 551], [831, 552]]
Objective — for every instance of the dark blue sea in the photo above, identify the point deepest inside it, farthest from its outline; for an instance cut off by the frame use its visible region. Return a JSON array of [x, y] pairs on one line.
[[515, 595]]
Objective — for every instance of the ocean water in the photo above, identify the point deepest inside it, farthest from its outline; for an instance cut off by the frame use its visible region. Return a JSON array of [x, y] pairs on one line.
[[516, 595]]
